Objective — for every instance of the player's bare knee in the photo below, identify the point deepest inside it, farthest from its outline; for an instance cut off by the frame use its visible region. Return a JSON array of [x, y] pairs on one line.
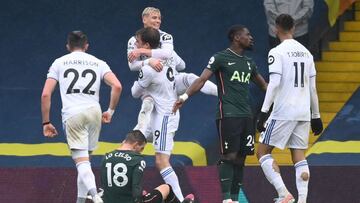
[[161, 162], [259, 154], [305, 176], [263, 150], [158, 164]]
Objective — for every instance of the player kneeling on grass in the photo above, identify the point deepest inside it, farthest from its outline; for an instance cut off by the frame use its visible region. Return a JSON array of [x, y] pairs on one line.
[[122, 174]]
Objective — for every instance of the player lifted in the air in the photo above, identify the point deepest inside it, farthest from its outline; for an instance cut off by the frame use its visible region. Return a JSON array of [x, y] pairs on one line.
[[138, 57], [160, 86]]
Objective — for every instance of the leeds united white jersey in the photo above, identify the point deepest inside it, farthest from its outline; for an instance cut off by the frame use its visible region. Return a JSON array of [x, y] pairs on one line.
[[79, 75], [295, 64], [160, 86]]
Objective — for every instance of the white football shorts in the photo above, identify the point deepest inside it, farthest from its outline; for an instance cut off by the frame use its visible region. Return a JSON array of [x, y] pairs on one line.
[[282, 133], [83, 129], [163, 129]]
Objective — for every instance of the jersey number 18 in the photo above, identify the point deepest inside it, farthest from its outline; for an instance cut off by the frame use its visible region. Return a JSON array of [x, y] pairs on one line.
[[119, 170]]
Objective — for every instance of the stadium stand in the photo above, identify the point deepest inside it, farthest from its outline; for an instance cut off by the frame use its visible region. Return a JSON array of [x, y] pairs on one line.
[[339, 144]]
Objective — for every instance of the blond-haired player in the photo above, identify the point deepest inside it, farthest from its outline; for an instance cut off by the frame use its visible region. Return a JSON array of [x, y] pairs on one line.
[[156, 58]]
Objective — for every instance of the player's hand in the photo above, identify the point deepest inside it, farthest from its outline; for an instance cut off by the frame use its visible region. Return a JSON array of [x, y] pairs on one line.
[[134, 55], [156, 64], [177, 105], [106, 117], [316, 126], [261, 122], [49, 130]]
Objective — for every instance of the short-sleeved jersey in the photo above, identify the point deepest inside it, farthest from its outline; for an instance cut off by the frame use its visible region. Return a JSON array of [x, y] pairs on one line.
[[79, 75], [233, 74], [295, 64], [160, 86], [121, 176]]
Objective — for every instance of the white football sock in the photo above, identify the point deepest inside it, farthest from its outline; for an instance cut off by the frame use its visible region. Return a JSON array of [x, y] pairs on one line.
[[87, 176], [302, 185], [170, 177], [82, 191], [273, 177]]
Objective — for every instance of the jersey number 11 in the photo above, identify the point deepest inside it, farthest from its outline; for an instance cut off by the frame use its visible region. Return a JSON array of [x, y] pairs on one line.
[[302, 67]]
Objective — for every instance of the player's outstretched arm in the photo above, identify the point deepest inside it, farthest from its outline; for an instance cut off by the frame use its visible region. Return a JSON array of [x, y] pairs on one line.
[[194, 88], [48, 129], [116, 88]]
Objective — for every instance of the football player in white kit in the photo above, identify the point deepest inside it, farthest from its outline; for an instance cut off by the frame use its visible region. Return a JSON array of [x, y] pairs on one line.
[[292, 91], [161, 87], [79, 76], [138, 57]]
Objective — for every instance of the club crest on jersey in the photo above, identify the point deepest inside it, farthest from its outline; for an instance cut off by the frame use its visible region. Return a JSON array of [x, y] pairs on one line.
[[271, 60], [141, 74], [166, 37]]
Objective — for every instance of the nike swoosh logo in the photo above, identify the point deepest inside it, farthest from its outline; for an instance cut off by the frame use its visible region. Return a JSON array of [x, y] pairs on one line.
[[224, 179], [231, 63]]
